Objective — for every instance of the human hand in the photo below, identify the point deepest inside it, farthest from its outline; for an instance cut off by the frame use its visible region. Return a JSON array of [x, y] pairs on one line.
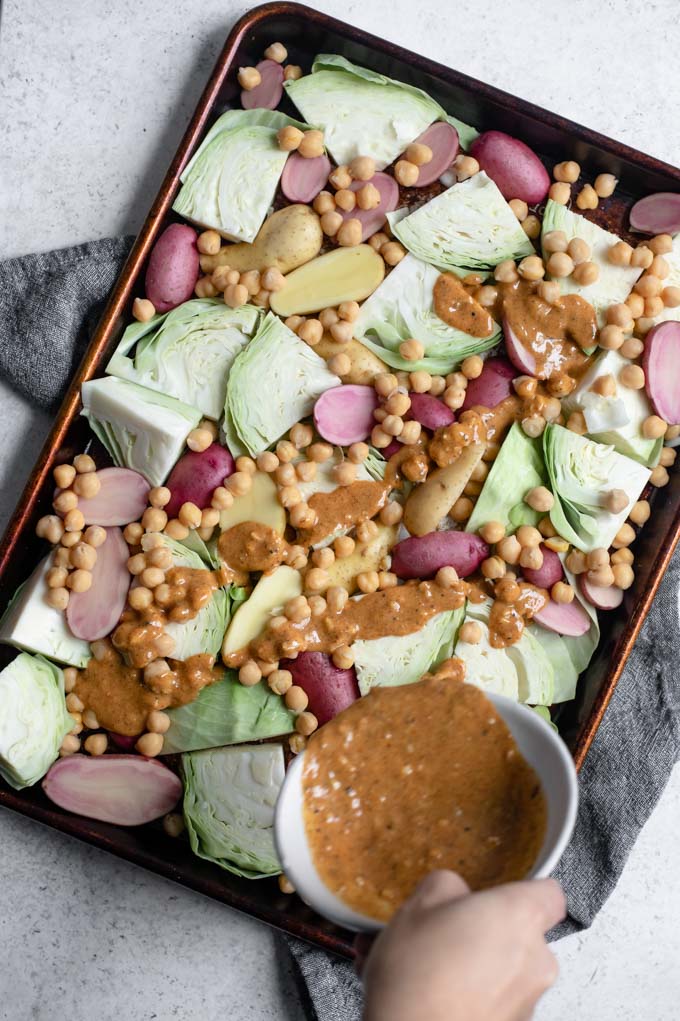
[[452, 955]]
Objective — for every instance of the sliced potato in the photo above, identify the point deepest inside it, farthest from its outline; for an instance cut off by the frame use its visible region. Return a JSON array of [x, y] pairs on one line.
[[367, 556], [287, 239], [365, 366], [429, 503], [269, 595], [345, 274], [259, 504]]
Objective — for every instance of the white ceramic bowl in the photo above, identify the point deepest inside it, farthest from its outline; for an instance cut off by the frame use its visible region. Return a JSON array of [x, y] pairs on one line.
[[540, 745]]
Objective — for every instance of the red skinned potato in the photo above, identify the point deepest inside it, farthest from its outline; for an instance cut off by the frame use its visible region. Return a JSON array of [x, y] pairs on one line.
[[344, 414], [421, 556], [657, 214], [196, 476], [429, 411], [661, 363], [128, 790], [122, 498], [514, 167], [302, 179], [95, 613], [173, 267], [568, 619], [122, 741], [266, 95], [329, 689], [492, 386], [548, 574], [373, 220], [442, 138], [600, 597]]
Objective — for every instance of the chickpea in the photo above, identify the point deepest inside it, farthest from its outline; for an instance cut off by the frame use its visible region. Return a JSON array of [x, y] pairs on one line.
[[472, 367], [620, 254], [69, 539], [412, 350], [667, 458], [342, 332], [659, 477], [549, 291], [205, 288], [642, 257], [398, 403], [534, 425], [345, 199], [56, 577], [306, 723], [176, 530], [316, 580], [320, 452], [540, 499], [362, 168], [465, 167], [143, 310], [493, 567], [368, 581], [519, 208], [438, 386], [150, 745], [624, 536], [605, 386], [633, 377], [587, 198], [65, 501], [555, 241], [559, 265], [531, 557], [406, 174], [531, 268], [61, 557], [323, 557], [238, 484], [84, 463], [568, 171], [79, 580], [236, 295], [376, 241], [611, 337], [296, 698], [349, 233], [470, 633], [311, 144], [561, 592], [50, 527], [648, 286], [344, 473], [446, 577], [586, 273], [672, 432], [190, 515], [419, 154], [461, 509], [69, 745], [393, 253], [654, 306], [560, 193], [546, 527], [671, 296], [653, 427], [643, 326], [249, 78], [509, 549], [82, 555], [343, 657]]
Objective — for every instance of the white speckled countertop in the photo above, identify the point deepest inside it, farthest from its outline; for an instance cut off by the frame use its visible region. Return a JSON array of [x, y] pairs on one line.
[[95, 95]]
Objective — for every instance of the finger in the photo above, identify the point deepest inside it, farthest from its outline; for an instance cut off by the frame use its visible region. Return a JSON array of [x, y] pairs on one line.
[[543, 899], [438, 888], [363, 943]]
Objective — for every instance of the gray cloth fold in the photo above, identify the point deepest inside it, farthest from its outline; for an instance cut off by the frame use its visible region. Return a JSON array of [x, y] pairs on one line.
[[48, 307]]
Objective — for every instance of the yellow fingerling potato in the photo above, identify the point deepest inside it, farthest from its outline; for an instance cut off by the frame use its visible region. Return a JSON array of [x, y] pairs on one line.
[[286, 240], [429, 503], [364, 365], [345, 274], [367, 556]]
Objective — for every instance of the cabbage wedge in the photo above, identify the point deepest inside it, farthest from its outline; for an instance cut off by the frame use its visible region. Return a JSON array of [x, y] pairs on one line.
[[469, 227], [229, 800], [230, 182], [33, 719], [188, 352], [518, 468], [402, 307], [581, 473], [274, 383], [140, 428]]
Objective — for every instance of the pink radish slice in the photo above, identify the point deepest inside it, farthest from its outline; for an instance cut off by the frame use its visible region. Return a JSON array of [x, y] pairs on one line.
[[421, 556], [122, 498], [661, 362], [329, 689], [196, 476], [442, 138], [492, 386], [128, 790], [266, 95], [657, 214], [373, 219], [122, 741], [568, 619], [302, 179], [95, 613], [344, 414], [515, 168], [173, 267], [429, 411], [389, 451], [548, 574], [519, 355], [600, 597]]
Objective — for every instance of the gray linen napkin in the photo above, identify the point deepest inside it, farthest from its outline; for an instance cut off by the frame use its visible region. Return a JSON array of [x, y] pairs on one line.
[[48, 306]]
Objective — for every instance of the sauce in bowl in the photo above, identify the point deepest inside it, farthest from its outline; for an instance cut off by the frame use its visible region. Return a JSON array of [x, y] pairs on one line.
[[416, 778]]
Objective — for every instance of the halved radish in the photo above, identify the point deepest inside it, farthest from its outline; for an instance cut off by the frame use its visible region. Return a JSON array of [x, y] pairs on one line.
[[492, 386], [128, 790], [519, 355], [568, 619], [329, 689], [266, 95], [442, 138], [373, 219], [657, 214], [548, 574], [122, 498], [429, 411], [95, 613], [516, 169], [344, 414], [661, 362], [196, 476], [302, 179], [421, 556], [599, 596]]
